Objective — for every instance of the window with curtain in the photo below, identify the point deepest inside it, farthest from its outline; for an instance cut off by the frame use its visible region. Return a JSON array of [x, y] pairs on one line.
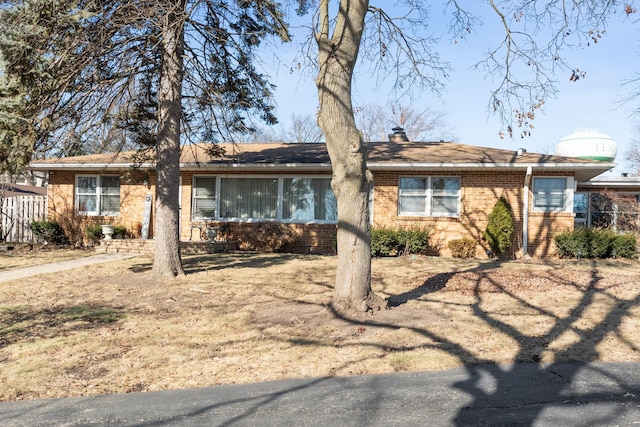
[[549, 194], [203, 198], [249, 197], [97, 195], [308, 199], [429, 196]]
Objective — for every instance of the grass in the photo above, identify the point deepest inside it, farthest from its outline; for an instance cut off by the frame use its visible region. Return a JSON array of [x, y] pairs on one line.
[[244, 318], [27, 255]]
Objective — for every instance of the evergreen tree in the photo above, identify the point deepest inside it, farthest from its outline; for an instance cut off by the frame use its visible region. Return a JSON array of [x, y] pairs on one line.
[[73, 68]]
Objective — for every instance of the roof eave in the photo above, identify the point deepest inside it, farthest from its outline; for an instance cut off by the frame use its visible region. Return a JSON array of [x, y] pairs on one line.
[[87, 166]]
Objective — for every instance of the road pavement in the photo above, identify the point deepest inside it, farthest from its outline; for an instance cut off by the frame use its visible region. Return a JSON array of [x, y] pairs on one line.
[[571, 394]]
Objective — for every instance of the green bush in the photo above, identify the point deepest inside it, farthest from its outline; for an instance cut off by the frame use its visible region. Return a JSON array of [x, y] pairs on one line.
[[392, 242], [119, 231], [625, 246], [49, 231], [500, 227], [601, 242], [462, 248], [94, 233], [413, 241], [588, 242], [384, 242]]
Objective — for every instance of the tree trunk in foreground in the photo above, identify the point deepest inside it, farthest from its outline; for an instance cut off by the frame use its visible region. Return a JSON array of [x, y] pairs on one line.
[[167, 262], [351, 179]]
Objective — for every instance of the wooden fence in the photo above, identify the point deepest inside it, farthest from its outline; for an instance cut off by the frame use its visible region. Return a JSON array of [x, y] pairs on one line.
[[17, 213]]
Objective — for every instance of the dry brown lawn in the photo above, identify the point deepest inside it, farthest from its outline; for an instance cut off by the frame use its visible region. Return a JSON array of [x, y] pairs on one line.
[[240, 318]]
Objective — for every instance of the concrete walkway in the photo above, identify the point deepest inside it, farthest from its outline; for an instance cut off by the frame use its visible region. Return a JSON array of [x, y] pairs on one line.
[[20, 273], [568, 394]]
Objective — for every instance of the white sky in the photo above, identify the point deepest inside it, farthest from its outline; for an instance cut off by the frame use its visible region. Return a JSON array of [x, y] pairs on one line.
[[593, 102]]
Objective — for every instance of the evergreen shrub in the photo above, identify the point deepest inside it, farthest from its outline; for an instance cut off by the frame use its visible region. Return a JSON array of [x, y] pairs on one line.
[[589, 242], [49, 231], [500, 227], [391, 242]]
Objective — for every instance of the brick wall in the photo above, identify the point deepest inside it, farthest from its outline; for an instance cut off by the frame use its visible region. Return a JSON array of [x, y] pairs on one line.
[[132, 194], [480, 192]]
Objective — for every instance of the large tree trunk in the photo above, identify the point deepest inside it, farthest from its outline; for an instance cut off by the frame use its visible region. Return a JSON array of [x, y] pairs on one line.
[[167, 262], [351, 179]]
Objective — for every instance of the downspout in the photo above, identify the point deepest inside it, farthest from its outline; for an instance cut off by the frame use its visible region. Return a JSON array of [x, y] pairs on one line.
[[525, 214]]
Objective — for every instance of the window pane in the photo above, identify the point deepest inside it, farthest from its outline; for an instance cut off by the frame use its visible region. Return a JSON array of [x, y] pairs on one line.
[[110, 204], [249, 197], [110, 195], [204, 208], [444, 206], [445, 185], [204, 186], [87, 184], [110, 184], [413, 183], [413, 204], [308, 199], [87, 203], [580, 206], [549, 193]]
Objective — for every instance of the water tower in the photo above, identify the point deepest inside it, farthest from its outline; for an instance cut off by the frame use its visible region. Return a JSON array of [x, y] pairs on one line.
[[588, 144]]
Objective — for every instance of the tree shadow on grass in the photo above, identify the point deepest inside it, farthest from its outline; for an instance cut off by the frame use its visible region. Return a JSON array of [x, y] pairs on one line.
[[24, 323], [200, 263]]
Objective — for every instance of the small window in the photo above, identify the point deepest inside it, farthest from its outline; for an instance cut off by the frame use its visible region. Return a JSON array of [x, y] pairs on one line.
[[550, 194], [204, 197], [429, 196], [98, 195]]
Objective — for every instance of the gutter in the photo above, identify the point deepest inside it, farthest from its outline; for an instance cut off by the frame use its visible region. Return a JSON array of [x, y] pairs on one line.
[[525, 213]]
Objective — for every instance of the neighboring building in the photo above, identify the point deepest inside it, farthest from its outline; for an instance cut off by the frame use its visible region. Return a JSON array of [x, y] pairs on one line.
[[446, 187]]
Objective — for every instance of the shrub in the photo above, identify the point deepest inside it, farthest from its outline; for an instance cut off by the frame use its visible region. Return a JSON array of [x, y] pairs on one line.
[[462, 248], [94, 233], [499, 227], [625, 246], [268, 237], [49, 231], [414, 241], [392, 242], [119, 231], [588, 242], [384, 242], [601, 243]]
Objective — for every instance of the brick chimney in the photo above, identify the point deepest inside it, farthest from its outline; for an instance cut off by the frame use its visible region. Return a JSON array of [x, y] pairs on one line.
[[398, 135]]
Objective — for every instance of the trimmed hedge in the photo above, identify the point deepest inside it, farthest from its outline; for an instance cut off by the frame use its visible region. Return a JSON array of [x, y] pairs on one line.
[[589, 242], [392, 242]]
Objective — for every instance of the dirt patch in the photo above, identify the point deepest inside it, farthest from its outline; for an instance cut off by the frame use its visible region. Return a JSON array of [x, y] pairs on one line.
[[245, 318]]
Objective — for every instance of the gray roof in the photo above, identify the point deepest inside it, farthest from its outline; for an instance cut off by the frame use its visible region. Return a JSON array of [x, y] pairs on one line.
[[409, 156]]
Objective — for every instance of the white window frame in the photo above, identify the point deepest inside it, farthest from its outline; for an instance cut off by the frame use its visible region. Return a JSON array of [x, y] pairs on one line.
[[195, 217], [428, 194], [567, 194], [98, 195]]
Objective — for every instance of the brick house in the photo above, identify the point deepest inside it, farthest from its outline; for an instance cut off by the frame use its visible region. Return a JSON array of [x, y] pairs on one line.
[[446, 187]]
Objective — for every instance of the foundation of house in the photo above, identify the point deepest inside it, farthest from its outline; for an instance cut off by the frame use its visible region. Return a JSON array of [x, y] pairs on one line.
[[147, 247]]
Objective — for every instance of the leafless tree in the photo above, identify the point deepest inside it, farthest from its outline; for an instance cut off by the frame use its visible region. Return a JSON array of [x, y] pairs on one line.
[[376, 121]]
